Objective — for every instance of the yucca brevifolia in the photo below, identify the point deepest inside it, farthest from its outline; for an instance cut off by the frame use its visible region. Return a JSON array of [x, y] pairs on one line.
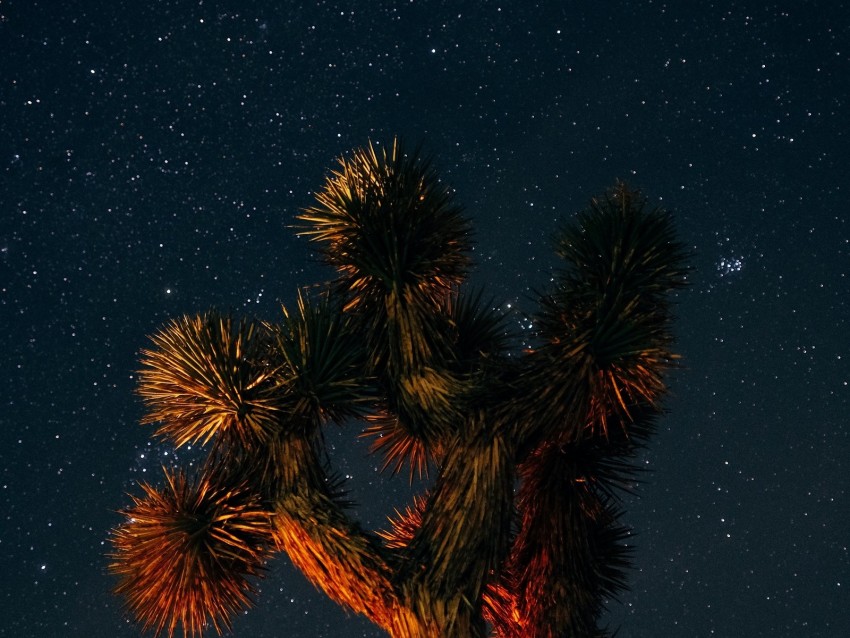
[[519, 534]]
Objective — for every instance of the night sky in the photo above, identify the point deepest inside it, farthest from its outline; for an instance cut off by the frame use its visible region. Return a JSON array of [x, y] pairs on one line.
[[153, 154]]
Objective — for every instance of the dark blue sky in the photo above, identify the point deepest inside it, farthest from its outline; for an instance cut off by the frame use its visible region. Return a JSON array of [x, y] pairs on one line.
[[153, 154]]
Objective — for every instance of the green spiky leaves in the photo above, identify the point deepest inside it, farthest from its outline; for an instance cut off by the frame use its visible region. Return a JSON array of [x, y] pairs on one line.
[[187, 552]]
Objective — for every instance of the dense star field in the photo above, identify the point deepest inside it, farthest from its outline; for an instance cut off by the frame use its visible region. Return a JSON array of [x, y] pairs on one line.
[[153, 157]]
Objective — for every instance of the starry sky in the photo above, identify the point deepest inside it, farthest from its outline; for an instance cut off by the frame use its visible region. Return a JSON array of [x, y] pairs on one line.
[[152, 155]]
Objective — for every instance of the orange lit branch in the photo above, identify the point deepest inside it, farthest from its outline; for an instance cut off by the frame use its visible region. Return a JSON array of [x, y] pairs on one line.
[[332, 551]]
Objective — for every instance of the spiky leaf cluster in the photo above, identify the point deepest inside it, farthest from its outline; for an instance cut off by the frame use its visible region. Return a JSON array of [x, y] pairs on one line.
[[397, 445], [404, 524], [400, 246], [320, 364], [606, 325], [387, 224], [188, 551], [592, 388], [476, 335], [210, 376]]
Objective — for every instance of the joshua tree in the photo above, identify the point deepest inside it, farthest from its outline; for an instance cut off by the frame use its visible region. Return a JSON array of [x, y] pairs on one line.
[[519, 534]]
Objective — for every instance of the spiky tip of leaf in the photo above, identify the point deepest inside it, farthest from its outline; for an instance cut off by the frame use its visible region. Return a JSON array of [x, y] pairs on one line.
[[386, 222], [398, 446], [404, 525], [187, 551], [618, 241], [208, 376]]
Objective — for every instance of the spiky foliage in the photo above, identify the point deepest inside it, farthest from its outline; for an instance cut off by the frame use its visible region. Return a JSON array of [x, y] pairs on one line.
[[400, 246], [387, 224], [519, 535], [188, 551], [478, 337], [404, 525], [320, 362], [209, 376], [593, 386], [398, 447], [480, 332], [605, 328]]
